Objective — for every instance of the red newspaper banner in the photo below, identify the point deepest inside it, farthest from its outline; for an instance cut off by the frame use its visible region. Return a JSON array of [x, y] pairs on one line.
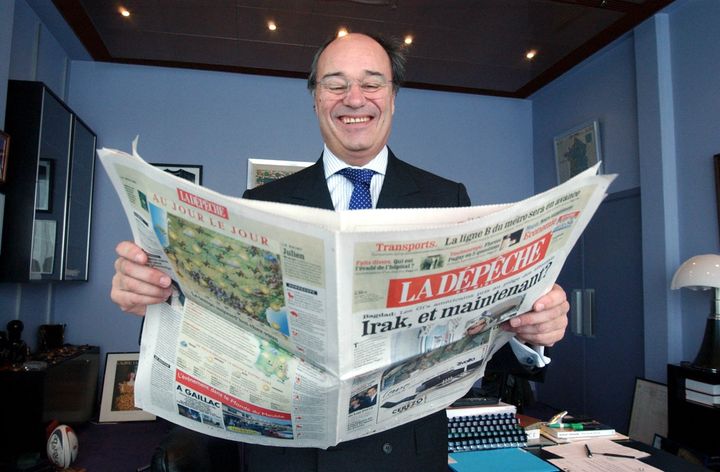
[[208, 394], [203, 204], [409, 291]]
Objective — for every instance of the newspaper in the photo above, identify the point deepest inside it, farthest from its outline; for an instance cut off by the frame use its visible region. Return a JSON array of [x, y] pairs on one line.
[[302, 327]]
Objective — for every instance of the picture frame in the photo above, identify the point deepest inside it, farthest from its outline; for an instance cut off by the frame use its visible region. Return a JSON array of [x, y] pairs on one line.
[[649, 413], [262, 171], [118, 392], [4, 151], [43, 247], [190, 172], [577, 149], [44, 186]]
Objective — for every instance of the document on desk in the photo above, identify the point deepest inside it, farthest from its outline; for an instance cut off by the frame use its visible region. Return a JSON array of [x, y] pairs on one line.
[[575, 457]]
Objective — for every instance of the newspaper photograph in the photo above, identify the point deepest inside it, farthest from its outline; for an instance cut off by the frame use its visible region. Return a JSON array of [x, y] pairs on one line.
[[301, 327]]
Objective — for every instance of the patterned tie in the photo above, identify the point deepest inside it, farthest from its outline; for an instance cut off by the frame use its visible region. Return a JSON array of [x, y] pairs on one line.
[[360, 198]]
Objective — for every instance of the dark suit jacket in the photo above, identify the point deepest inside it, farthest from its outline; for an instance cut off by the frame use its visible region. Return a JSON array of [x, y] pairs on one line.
[[405, 186], [417, 446]]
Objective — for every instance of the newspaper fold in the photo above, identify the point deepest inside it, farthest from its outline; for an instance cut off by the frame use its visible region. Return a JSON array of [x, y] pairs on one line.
[[294, 326]]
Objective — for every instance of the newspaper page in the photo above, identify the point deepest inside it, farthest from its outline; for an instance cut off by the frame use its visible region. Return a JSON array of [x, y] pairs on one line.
[[302, 327]]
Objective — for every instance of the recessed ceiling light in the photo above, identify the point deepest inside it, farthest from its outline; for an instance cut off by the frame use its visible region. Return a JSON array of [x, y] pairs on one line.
[[272, 26], [530, 55], [408, 40], [342, 32], [124, 12]]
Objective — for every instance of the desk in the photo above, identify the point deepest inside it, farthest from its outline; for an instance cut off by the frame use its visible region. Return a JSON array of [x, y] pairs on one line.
[[663, 460]]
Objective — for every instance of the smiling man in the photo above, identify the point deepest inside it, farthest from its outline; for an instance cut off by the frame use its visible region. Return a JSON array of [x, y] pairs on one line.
[[354, 98], [354, 80]]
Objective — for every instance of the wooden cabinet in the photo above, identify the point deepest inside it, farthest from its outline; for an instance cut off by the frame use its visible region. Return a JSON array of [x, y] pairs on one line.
[[593, 371], [48, 188]]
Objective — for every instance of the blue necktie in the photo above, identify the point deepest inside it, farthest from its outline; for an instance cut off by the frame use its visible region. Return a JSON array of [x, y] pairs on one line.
[[360, 198]]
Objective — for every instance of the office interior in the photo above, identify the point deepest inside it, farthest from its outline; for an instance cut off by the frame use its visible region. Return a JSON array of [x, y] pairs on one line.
[[654, 92]]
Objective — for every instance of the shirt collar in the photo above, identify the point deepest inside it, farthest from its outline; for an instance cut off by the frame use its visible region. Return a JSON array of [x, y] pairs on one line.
[[332, 163]]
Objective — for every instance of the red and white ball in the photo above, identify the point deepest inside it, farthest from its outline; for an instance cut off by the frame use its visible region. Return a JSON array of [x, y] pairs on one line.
[[62, 446]]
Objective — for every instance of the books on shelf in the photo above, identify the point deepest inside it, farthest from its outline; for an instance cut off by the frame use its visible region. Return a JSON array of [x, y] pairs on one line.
[[703, 393], [702, 387], [704, 398], [576, 429]]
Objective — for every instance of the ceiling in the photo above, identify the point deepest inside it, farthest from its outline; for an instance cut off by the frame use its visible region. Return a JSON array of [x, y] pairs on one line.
[[458, 45]]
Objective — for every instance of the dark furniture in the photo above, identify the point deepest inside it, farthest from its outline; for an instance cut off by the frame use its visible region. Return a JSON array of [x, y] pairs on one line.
[[48, 188], [690, 424], [64, 390]]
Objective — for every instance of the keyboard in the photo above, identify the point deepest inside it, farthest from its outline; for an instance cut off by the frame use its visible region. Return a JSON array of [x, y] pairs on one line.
[[473, 432]]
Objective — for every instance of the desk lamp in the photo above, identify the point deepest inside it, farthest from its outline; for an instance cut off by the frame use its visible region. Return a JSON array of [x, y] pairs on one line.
[[703, 273]]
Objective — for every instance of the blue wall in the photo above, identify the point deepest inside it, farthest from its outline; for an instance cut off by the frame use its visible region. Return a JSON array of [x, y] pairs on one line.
[[657, 102], [696, 60], [653, 92], [220, 120]]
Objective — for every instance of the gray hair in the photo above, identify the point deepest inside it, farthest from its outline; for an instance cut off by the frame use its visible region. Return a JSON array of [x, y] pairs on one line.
[[392, 47]]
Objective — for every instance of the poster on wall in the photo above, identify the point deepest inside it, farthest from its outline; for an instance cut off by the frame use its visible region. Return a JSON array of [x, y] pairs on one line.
[[262, 171], [576, 150], [189, 172]]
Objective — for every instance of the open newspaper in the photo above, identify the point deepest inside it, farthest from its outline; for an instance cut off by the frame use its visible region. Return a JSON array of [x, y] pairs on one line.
[[295, 326]]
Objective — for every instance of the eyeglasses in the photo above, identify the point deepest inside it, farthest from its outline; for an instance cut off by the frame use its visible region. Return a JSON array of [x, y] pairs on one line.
[[339, 86]]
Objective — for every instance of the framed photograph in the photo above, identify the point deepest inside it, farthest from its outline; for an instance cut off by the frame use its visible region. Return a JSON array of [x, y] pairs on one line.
[[262, 171], [577, 150], [4, 149], [648, 416], [118, 392], [44, 187], [191, 173], [43, 247]]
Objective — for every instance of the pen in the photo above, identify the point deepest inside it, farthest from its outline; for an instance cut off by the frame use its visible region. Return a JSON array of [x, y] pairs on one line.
[[607, 454]]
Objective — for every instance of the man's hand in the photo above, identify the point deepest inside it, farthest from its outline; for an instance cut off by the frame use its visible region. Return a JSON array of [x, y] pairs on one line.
[[135, 285], [545, 325]]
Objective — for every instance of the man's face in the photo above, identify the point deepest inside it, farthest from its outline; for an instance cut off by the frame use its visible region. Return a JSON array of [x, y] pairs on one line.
[[355, 125]]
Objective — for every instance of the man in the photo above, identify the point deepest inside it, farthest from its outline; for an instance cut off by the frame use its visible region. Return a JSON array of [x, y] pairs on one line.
[[354, 80]]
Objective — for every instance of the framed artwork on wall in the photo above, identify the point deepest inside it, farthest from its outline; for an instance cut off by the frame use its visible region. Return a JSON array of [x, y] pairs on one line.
[[262, 171], [192, 173], [4, 149], [118, 391], [577, 149]]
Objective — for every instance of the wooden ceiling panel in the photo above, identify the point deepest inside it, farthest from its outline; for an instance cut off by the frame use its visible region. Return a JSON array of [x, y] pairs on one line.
[[459, 45]]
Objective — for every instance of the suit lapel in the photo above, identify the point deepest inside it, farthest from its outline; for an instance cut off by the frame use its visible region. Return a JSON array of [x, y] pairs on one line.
[[312, 189], [398, 184]]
